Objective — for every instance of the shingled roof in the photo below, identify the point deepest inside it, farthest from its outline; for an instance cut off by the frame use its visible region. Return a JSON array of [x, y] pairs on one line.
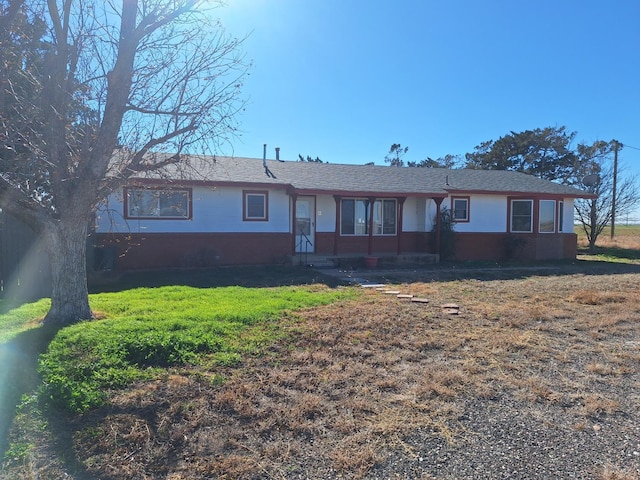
[[365, 180]]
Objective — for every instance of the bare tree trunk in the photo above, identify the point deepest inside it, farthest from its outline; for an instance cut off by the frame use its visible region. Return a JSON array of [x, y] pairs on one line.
[[69, 293]]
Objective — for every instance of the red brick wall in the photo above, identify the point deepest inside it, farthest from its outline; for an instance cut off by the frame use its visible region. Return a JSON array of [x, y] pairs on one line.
[[504, 246], [141, 251], [410, 242]]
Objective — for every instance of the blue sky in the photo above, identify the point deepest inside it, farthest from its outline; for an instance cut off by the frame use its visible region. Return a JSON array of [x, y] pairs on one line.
[[344, 79]]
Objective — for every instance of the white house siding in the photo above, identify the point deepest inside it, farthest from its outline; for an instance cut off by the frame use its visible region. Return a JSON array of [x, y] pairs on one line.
[[487, 214], [413, 215], [215, 210], [325, 213], [568, 216], [430, 212]]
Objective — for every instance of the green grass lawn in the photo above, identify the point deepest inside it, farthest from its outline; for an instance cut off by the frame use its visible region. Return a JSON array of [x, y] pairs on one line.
[[142, 331], [17, 320], [623, 248]]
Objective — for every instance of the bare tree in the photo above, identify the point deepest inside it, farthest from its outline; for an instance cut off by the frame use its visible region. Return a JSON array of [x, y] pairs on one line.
[[595, 174], [107, 90]]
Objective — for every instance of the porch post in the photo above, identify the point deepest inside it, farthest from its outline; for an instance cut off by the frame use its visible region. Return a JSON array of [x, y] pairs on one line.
[[294, 222], [372, 201], [336, 230], [399, 223], [438, 223]]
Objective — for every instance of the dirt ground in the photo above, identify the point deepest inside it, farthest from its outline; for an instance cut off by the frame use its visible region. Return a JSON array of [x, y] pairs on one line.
[[535, 375]]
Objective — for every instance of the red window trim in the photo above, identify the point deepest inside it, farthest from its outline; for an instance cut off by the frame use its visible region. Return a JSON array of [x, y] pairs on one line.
[[125, 203]]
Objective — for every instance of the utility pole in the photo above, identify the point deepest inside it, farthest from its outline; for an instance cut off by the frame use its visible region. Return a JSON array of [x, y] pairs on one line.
[[616, 147]]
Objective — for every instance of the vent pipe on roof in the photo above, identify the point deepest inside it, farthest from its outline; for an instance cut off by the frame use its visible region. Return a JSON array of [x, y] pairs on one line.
[[264, 155], [278, 153]]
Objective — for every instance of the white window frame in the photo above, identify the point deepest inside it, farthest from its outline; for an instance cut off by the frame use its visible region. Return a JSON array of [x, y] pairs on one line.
[[247, 214], [381, 224], [360, 220], [511, 215], [467, 202], [561, 216], [549, 224]]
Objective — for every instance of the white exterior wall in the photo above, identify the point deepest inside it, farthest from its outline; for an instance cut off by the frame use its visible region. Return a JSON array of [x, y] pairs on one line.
[[569, 212], [413, 215], [487, 214], [220, 210], [214, 210], [325, 213]]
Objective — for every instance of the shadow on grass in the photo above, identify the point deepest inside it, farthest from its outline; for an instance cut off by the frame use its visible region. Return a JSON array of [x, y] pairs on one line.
[[613, 252], [254, 277], [493, 271], [276, 276], [19, 373]]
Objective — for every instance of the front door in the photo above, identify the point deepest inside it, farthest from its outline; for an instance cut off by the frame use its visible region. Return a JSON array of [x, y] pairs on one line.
[[305, 224]]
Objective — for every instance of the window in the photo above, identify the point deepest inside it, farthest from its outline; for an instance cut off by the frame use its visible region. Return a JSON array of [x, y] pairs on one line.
[[384, 217], [460, 209], [255, 206], [354, 217], [521, 216], [158, 203], [547, 221], [560, 216]]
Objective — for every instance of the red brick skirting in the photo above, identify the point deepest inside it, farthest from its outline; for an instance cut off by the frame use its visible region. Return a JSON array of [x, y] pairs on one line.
[[191, 250]]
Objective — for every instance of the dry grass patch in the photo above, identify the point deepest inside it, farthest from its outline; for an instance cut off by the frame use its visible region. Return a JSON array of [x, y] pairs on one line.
[[368, 389]]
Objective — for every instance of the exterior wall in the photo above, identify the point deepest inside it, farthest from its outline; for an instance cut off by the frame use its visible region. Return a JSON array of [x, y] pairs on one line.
[[567, 226], [520, 247], [413, 215], [176, 250], [410, 242], [325, 214], [217, 234], [487, 213], [214, 210]]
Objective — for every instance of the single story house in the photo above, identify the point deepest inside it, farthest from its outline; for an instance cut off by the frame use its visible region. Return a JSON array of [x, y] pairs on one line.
[[255, 211]]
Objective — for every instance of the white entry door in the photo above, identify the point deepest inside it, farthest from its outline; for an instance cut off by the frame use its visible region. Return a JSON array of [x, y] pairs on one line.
[[305, 227]]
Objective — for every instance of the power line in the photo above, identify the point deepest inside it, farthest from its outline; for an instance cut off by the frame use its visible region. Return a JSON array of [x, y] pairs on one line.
[[624, 145]]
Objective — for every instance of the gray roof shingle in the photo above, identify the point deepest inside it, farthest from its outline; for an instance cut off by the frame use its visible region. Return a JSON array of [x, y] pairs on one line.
[[342, 179]]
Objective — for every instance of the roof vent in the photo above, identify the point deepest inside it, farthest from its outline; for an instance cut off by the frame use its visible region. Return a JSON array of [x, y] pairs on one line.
[[264, 155]]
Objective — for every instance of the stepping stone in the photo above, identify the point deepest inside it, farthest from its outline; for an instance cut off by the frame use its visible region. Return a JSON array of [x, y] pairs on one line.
[[392, 292], [404, 295], [420, 300], [450, 308], [373, 285]]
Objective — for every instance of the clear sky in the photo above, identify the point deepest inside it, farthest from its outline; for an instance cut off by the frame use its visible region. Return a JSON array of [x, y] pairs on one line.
[[344, 79]]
